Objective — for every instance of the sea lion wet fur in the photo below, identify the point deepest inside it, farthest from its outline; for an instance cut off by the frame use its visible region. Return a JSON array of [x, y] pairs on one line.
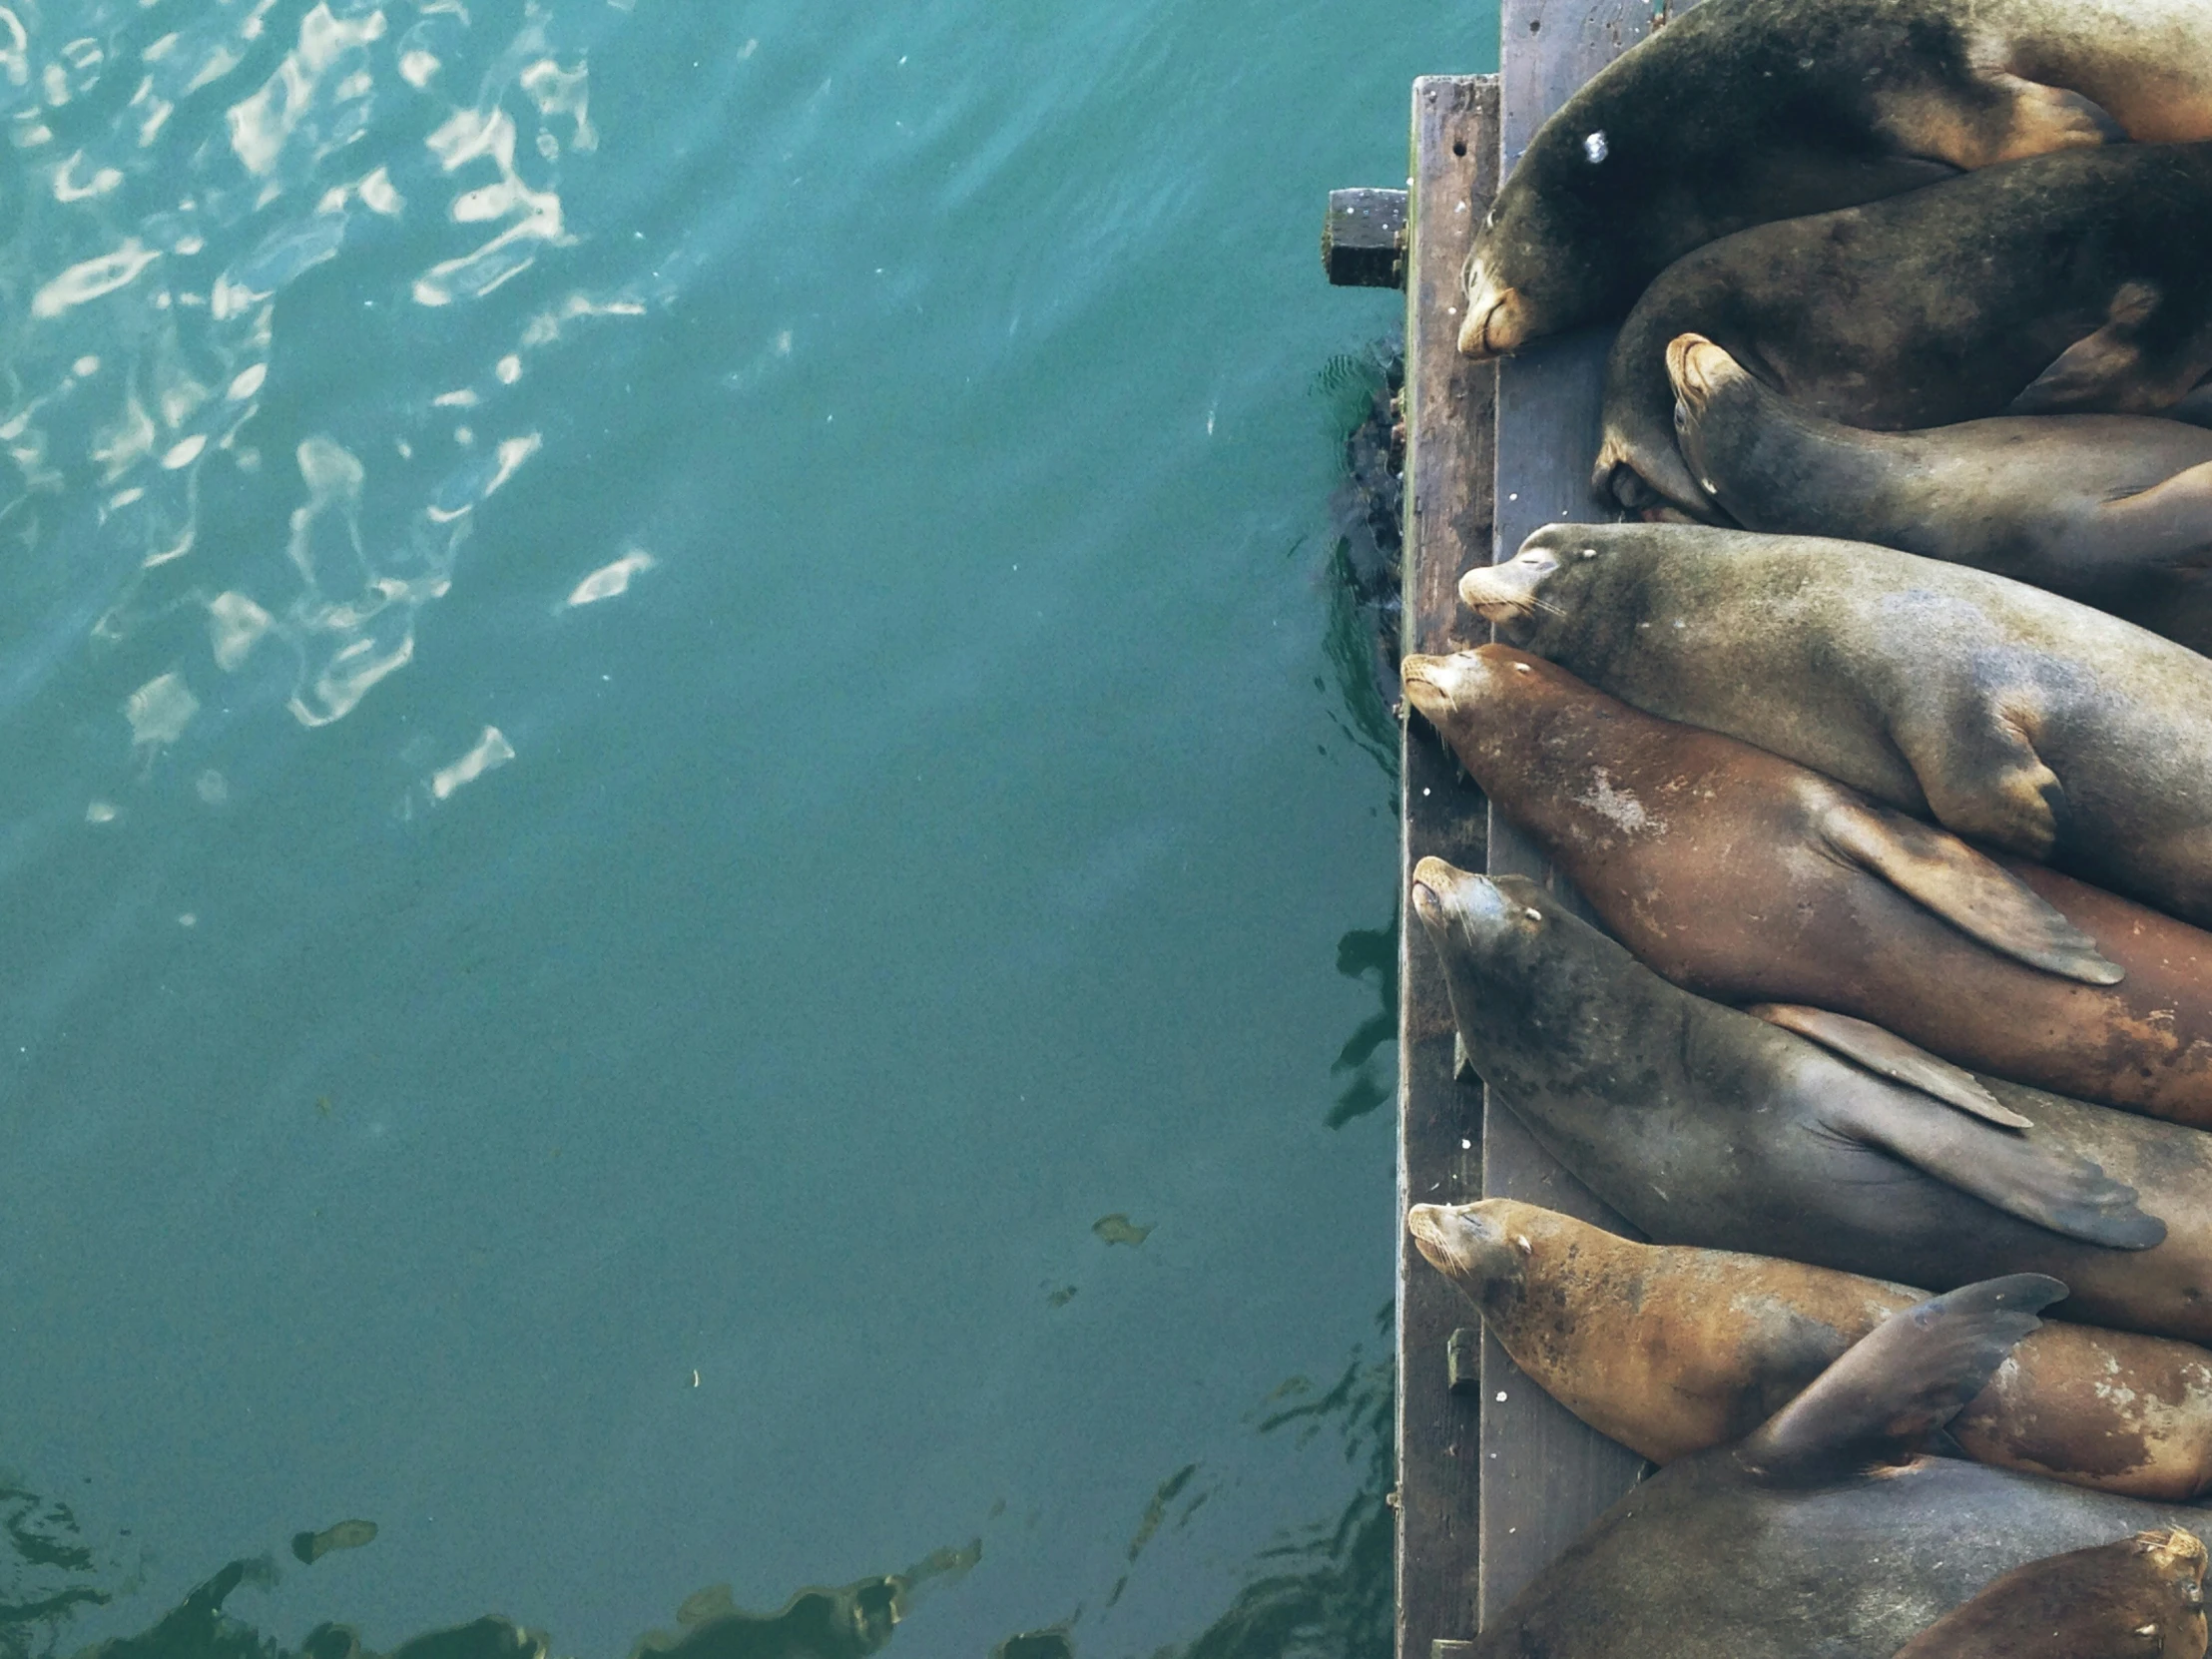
[[2014, 717], [2113, 510], [1743, 875], [1824, 1531], [2077, 282], [2140, 1597], [1673, 1349], [1703, 1125], [1741, 112]]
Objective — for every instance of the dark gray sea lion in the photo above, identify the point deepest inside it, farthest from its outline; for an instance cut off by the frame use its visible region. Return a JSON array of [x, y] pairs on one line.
[[1745, 111], [2113, 510], [1702, 1124], [1743, 875], [1824, 1531], [2079, 283], [2135, 1599], [2008, 714], [1673, 1349]]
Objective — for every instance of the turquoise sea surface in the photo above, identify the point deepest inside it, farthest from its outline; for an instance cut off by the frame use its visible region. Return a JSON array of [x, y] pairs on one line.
[[693, 905]]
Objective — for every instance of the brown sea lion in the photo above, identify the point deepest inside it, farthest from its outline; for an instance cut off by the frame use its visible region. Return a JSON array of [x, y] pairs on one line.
[[1703, 1125], [1745, 111], [2077, 282], [1824, 1531], [1672, 1349], [2008, 714], [2135, 1599], [2113, 510], [1744, 876]]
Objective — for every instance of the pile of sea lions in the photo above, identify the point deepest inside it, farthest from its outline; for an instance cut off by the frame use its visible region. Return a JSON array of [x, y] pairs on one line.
[[1879, 743]]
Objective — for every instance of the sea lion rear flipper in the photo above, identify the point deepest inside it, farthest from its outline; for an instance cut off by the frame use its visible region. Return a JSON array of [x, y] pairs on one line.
[[1886, 1054], [2068, 1195], [1978, 765], [1899, 1382], [1973, 893]]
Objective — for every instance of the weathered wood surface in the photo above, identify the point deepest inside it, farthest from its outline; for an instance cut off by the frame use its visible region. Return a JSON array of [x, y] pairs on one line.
[[1546, 1476], [1450, 411], [1363, 240]]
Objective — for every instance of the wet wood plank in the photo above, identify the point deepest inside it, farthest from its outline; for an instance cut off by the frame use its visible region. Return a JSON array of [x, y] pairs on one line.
[[1546, 1476], [1451, 413]]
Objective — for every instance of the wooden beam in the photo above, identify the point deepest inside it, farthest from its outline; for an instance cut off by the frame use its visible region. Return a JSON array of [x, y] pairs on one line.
[[1450, 417]]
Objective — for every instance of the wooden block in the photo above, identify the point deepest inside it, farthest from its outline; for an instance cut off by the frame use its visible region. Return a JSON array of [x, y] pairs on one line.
[[1463, 1359], [1451, 422], [1362, 242]]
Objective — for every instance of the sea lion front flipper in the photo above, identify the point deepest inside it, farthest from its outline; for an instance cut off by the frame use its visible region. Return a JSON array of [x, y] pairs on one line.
[[1976, 895], [2103, 372], [1886, 1054], [2029, 118], [2168, 524], [1899, 1383], [2023, 1178]]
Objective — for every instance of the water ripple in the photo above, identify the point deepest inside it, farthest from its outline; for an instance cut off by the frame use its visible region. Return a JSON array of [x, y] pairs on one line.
[[144, 312]]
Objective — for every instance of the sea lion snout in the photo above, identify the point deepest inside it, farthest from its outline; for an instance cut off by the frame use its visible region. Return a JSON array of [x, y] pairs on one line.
[[1507, 592], [1497, 320]]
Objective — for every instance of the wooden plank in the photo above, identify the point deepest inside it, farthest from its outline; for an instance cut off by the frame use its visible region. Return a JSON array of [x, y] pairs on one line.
[[1546, 1476], [1451, 414]]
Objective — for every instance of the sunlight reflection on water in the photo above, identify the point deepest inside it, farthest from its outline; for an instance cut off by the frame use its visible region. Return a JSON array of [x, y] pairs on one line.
[[143, 343]]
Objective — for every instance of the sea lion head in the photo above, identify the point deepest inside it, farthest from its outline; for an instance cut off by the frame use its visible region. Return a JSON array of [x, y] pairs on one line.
[[2178, 1559], [1533, 269], [1473, 1246], [1496, 938], [1455, 694]]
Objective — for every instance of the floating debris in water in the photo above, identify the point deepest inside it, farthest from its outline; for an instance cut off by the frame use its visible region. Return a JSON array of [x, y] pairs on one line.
[[1118, 1229], [312, 1547]]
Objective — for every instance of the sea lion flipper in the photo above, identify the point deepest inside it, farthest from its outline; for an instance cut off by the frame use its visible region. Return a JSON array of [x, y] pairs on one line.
[[2103, 370], [1973, 893], [1980, 771], [2170, 523], [1899, 1383], [1886, 1054], [2068, 1195]]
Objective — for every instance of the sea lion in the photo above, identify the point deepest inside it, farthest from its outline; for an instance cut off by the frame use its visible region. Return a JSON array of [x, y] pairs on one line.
[[1824, 1532], [2008, 714], [1703, 1125], [1672, 1349], [2077, 282], [1745, 111], [1744, 876], [2113, 510], [2135, 1599]]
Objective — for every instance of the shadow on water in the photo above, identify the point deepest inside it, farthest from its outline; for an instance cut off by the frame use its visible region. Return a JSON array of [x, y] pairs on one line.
[[1319, 1590]]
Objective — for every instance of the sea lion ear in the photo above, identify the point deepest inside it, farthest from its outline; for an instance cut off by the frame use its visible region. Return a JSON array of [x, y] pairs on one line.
[[1899, 1383], [1975, 894]]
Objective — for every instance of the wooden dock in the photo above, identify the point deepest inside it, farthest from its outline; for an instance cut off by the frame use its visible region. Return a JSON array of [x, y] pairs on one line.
[[1495, 1478]]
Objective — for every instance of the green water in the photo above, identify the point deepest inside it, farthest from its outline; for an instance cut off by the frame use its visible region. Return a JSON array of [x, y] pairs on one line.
[[690, 899]]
